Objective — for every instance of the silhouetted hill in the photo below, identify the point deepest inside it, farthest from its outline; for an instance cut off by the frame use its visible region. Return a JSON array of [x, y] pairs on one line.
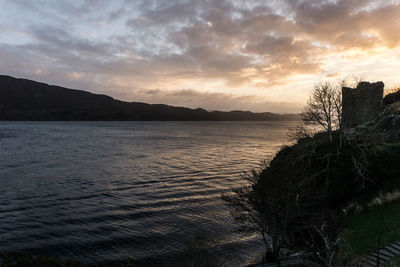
[[22, 99]]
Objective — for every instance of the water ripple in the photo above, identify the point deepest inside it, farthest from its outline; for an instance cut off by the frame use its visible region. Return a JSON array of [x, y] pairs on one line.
[[104, 192]]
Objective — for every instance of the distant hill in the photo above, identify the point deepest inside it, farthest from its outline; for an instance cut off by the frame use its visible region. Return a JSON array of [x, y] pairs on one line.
[[22, 99]]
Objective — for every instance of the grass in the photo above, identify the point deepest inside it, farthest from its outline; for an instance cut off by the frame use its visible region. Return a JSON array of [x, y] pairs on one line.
[[361, 230]]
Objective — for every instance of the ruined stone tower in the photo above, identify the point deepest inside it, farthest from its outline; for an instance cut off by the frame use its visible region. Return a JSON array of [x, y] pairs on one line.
[[361, 104]]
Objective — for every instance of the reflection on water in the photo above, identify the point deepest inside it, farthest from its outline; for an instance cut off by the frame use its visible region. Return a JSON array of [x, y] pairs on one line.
[[100, 192]]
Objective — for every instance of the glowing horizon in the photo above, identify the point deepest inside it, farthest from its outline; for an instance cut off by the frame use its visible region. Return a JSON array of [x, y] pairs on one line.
[[225, 55]]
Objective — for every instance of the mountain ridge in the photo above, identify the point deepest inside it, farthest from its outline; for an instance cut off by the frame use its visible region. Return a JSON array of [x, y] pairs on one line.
[[23, 99]]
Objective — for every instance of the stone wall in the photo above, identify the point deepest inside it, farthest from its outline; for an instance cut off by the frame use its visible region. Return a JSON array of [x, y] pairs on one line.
[[361, 104]]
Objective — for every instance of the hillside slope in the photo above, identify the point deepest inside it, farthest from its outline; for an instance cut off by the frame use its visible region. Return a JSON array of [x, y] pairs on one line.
[[22, 99]]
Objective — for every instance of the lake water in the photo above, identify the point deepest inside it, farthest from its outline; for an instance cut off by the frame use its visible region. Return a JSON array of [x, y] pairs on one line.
[[103, 192]]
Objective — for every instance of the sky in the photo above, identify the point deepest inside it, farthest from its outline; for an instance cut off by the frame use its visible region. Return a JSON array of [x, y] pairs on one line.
[[215, 54]]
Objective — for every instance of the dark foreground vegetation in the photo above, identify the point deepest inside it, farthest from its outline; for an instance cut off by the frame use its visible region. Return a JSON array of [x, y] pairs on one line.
[[304, 198], [22, 99]]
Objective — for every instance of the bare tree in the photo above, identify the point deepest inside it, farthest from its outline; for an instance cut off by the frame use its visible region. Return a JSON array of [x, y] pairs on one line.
[[328, 255], [268, 212], [324, 107], [280, 204]]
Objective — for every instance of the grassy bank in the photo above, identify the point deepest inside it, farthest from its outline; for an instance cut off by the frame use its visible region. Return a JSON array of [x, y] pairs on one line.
[[361, 231]]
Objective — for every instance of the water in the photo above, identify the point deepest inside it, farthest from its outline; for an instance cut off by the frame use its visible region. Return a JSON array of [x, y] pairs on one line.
[[102, 192]]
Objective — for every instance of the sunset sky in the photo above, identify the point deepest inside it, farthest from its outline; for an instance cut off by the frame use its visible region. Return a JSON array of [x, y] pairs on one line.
[[215, 54]]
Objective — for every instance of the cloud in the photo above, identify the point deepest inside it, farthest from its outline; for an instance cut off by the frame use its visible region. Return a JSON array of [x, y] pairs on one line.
[[348, 24], [210, 46], [62, 41]]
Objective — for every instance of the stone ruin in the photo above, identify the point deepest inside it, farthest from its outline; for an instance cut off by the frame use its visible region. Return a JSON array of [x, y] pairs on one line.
[[361, 104]]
